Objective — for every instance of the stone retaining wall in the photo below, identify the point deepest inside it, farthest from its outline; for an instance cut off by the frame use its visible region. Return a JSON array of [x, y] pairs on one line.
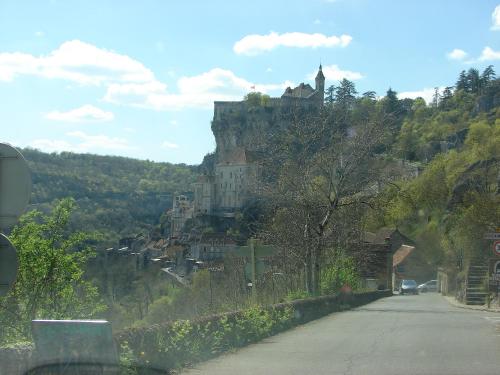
[[142, 343]]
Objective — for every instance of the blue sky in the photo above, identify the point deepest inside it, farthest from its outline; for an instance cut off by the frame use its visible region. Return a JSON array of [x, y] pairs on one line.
[[138, 78]]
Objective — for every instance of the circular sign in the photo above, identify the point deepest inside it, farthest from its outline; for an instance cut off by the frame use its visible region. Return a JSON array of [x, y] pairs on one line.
[[496, 248], [15, 185], [8, 265]]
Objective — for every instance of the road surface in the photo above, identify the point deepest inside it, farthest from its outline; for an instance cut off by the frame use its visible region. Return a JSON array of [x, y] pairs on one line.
[[421, 334]]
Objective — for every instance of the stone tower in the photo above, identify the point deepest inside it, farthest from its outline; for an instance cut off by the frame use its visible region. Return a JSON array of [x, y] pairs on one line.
[[320, 84]]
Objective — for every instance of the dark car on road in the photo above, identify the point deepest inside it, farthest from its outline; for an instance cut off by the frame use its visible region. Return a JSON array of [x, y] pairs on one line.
[[408, 287], [429, 286]]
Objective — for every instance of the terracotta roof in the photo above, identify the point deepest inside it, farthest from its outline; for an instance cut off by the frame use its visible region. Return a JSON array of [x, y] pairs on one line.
[[401, 254]]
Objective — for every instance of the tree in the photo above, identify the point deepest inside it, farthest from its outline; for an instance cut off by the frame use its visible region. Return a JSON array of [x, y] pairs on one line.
[[391, 102], [372, 95], [487, 76], [323, 178], [50, 282], [436, 97], [345, 93], [446, 96], [257, 99], [462, 82], [330, 94], [473, 80]]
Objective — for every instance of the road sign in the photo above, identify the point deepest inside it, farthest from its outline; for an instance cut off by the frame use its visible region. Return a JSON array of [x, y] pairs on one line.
[[15, 185], [496, 248], [8, 265], [492, 236], [260, 269]]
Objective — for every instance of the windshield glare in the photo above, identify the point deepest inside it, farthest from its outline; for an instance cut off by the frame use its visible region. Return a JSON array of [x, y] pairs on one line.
[[184, 183]]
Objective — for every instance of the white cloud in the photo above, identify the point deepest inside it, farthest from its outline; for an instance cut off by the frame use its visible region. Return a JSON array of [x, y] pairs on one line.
[[102, 142], [255, 44], [457, 54], [495, 18], [75, 61], [269, 70], [52, 145], [39, 34], [199, 91], [489, 54], [127, 81], [86, 113], [334, 73], [169, 145], [427, 94], [82, 142], [317, 22], [174, 122]]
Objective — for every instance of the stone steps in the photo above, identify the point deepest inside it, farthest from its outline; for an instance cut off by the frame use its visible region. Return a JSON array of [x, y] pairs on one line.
[[475, 293]]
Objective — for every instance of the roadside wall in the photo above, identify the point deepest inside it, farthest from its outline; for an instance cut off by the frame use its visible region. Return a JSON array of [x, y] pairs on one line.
[[175, 344]]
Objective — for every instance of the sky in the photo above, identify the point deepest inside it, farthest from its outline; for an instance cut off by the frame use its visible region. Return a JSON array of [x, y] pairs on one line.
[[138, 78]]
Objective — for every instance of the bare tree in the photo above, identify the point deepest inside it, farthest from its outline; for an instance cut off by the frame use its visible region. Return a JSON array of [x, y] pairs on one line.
[[319, 176]]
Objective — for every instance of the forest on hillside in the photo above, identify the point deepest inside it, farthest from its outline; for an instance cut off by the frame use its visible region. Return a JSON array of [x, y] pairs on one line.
[[367, 162], [115, 196]]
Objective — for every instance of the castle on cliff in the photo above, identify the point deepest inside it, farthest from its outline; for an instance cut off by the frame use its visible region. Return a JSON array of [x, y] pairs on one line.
[[237, 126]]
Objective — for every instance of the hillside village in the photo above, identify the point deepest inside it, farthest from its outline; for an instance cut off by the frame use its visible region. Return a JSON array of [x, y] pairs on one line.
[[263, 218], [198, 231]]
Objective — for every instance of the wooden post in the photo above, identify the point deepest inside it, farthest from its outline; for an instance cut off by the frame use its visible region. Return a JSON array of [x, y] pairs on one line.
[[252, 260]]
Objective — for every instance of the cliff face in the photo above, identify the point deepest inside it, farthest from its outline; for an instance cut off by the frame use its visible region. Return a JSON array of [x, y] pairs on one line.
[[244, 128]]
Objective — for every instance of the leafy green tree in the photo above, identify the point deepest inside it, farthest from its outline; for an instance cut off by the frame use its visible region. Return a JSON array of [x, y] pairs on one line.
[[473, 80], [50, 282], [391, 102], [341, 271], [462, 82], [330, 94], [257, 99], [488, 75], [372, 95], [345, 93], [446, 97]]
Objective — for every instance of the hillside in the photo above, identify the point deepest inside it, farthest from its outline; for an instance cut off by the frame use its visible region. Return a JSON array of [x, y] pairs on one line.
[[116, 196]]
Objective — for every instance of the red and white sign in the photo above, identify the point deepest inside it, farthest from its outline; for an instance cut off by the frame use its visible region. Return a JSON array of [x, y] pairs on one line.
[[496, 248]]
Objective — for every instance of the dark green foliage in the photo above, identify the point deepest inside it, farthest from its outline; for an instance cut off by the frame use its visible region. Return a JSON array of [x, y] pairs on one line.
[[257, 99], [116, 196]]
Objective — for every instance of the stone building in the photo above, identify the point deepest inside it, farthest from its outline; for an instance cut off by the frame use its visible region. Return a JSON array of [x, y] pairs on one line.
[[231, 184], [182, 210], [238, 128], [211, 247]]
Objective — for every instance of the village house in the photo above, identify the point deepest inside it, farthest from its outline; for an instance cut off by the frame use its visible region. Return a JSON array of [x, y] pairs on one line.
[[408, 263], [182, 211], [211, 247]]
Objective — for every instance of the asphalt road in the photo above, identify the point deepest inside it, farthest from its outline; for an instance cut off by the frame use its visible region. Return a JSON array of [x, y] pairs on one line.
[[421, 334]]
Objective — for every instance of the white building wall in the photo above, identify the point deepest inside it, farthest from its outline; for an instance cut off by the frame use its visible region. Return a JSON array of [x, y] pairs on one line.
[[232, 185]]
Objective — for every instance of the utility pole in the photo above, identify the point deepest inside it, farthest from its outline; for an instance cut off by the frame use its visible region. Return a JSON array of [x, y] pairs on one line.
[[252, 260]]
